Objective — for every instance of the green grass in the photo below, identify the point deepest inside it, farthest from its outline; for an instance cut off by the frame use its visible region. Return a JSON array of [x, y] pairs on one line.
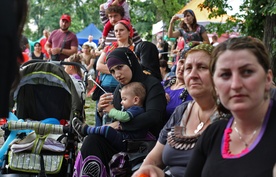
[[90, 111]]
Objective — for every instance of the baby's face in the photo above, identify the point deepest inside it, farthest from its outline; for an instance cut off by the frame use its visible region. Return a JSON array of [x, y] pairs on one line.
[[127, 99]]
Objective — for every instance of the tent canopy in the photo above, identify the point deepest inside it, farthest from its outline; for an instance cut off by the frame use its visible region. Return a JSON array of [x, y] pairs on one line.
[[202, 16], [31, 43], [89, 30], [158, 27]]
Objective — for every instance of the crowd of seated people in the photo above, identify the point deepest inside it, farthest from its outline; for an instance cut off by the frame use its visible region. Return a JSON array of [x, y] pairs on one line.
[[211, 113]]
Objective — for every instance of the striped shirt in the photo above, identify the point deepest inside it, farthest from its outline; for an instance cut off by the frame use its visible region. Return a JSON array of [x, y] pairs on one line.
[[111, 35]]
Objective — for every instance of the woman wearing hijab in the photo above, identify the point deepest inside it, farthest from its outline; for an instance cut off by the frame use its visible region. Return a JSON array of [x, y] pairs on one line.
[[147, 52], [96, 152], [124, 33]]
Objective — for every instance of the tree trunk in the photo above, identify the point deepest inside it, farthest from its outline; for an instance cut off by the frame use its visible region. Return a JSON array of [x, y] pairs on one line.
[[270, 39]]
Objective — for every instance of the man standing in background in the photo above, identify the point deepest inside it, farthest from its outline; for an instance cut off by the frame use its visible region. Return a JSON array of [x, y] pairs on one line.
[[43, 42], [90, 42], [62, 43]]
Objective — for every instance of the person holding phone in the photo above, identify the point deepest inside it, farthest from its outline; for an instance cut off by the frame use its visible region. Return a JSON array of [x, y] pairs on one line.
[[192, 32]]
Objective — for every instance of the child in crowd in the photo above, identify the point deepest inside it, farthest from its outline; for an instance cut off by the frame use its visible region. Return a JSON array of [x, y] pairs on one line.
[[88, 60], [133, 96], [108, 26], [75, 74]]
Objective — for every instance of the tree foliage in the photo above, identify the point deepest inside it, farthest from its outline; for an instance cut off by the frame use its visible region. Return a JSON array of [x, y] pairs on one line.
[[45, 14], [257, 19]]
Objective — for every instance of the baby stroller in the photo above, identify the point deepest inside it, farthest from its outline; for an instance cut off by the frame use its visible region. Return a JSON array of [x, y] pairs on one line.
[[45, 92]]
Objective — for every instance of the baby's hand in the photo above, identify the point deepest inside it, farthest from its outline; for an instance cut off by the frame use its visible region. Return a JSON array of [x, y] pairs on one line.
[[108, 108], [115, 2]]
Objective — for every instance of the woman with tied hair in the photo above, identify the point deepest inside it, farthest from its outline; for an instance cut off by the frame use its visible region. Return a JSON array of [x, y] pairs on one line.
[[178, 137], [244, 145], [96, 152], [176, 92], [192, 32]]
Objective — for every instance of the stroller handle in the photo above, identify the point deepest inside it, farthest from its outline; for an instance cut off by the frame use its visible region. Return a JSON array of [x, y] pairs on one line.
[[55, 62], [38, 127], [85, 71]]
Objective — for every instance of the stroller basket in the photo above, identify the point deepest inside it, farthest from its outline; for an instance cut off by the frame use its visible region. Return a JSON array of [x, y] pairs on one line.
[[27, 155]]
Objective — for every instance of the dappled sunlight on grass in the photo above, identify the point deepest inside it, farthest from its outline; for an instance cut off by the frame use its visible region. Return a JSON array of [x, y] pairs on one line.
[[90, 107]]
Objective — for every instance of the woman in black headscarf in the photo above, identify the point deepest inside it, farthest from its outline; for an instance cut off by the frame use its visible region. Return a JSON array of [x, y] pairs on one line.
[[147, 52], [96, 151]]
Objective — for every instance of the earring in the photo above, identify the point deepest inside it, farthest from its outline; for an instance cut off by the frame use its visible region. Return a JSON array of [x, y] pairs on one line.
[[218, 101]]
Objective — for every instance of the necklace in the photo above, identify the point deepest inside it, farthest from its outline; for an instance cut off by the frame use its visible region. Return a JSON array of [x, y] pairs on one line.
[[240, 137], [201, 123]]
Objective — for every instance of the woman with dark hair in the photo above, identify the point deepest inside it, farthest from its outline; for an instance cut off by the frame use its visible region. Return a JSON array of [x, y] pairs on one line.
[[37, 53], [96, 152], [164, 69], [192, 32], [176, 92]]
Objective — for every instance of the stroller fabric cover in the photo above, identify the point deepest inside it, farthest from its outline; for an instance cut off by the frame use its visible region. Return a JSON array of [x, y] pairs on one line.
[[46, 90]]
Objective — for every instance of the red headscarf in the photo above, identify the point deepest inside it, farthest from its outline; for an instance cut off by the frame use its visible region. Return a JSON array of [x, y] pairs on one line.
[[128, 25]]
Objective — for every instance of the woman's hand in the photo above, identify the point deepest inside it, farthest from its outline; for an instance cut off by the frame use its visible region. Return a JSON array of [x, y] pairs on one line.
[[174, 18], [104, 101], [168, 98], [115, 125], [149, 171]]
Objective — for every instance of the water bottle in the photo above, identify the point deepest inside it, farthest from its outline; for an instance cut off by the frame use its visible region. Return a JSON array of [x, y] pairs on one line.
[[106, 119]]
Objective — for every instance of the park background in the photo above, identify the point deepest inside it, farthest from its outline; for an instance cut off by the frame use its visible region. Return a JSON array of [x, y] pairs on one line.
[[256, 18]]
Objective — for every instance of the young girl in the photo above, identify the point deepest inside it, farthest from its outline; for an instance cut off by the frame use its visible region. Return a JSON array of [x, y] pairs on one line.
[[75, 74]]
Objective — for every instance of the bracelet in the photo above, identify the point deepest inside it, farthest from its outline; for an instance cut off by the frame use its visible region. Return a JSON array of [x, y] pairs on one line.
[[190, 44]]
